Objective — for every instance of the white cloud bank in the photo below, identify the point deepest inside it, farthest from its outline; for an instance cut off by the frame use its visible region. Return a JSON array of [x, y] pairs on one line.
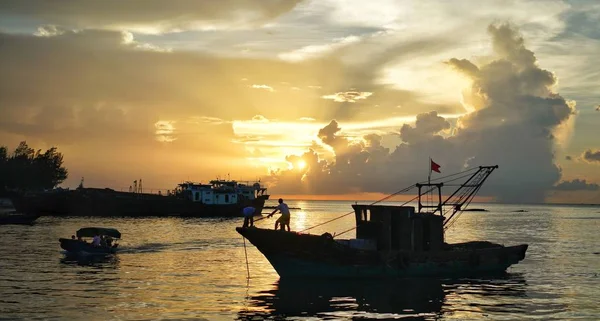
[[516, 113]]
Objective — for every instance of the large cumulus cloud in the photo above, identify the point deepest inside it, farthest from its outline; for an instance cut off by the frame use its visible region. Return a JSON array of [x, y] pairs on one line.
[[515, 117]]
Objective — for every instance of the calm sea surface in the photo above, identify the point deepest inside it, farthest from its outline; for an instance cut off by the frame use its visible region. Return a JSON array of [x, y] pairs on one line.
[[172, 268]]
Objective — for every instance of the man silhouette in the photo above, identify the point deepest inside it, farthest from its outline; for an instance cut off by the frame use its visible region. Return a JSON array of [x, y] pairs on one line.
[[284, 219]]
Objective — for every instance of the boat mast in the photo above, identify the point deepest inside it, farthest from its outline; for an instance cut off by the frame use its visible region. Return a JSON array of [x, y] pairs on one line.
[[467, 190], [437, 207], [463, 194]]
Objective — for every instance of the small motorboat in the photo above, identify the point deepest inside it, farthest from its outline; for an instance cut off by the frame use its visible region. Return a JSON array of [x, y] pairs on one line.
[[15, 218], [80, 245]]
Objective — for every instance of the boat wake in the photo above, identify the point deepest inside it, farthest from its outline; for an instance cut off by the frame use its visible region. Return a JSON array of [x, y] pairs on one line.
[[192, 245], [145, 248]]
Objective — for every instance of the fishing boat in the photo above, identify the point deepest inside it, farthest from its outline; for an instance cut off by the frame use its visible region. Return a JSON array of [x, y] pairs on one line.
[[218, 198], [81, 245], [392, 241]]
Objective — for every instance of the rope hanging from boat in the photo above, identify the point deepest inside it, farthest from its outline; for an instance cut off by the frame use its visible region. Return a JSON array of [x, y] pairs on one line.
[[451, 221], [465, 194], [454, 217], [450, 175], [411, 200], [462, 174], [246, 254], [352, 212]]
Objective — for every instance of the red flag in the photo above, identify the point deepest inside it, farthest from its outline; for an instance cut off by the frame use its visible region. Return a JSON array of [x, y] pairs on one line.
[[435, 167]]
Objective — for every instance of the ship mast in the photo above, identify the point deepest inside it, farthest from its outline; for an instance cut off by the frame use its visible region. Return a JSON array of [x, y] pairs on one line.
[[464, 194]]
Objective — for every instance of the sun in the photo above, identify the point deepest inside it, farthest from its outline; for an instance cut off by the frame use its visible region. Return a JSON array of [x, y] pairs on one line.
[[301, 164]]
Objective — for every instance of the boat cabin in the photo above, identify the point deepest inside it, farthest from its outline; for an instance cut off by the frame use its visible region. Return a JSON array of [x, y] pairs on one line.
[[398, 228], [221, 192], [401, 228]]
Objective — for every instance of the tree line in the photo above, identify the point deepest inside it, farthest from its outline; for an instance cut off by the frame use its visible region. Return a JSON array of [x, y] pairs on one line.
[[27, 169]]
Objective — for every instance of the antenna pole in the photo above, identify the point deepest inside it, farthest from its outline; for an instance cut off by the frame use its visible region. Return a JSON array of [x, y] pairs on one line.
[[429, 175]]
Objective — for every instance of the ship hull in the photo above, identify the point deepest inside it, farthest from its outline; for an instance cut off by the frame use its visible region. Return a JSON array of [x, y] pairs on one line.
[[98, 202], [42, 203], [295, 255], [80, 247], [17, 219], [294, 268]]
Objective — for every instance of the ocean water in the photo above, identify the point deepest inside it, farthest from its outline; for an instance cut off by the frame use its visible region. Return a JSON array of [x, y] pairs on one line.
[[173, 268]]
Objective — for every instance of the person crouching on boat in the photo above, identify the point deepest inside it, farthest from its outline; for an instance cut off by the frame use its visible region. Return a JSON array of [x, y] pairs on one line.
[[248, 212], [284, 219]]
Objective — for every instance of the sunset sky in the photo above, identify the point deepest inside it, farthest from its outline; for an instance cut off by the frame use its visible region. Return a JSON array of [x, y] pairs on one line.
[[318, 97]]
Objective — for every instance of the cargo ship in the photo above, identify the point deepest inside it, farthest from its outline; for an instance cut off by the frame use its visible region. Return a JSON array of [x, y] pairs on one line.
[[218, 198]]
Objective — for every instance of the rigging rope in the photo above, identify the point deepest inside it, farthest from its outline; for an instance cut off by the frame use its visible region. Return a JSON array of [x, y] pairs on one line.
[[412, 199], [390, 196], [462, 210], [467, 195], [352, 212], [458, 173]]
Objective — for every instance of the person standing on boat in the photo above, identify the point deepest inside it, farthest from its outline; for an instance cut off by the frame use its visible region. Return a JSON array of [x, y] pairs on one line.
[[248, 212], [284, 219]]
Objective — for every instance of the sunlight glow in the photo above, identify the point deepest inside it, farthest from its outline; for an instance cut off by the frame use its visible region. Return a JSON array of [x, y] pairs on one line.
[[314, 51], [301, 164], [276, 139], [434, 80], [564, 132], [349, 96]]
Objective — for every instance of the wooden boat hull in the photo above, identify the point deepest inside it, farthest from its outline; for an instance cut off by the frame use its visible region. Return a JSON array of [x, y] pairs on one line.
[[303, 255], [79, 247]]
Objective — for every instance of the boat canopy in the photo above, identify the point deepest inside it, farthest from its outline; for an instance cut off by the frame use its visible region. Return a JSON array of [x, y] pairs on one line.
[[93, 231]]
